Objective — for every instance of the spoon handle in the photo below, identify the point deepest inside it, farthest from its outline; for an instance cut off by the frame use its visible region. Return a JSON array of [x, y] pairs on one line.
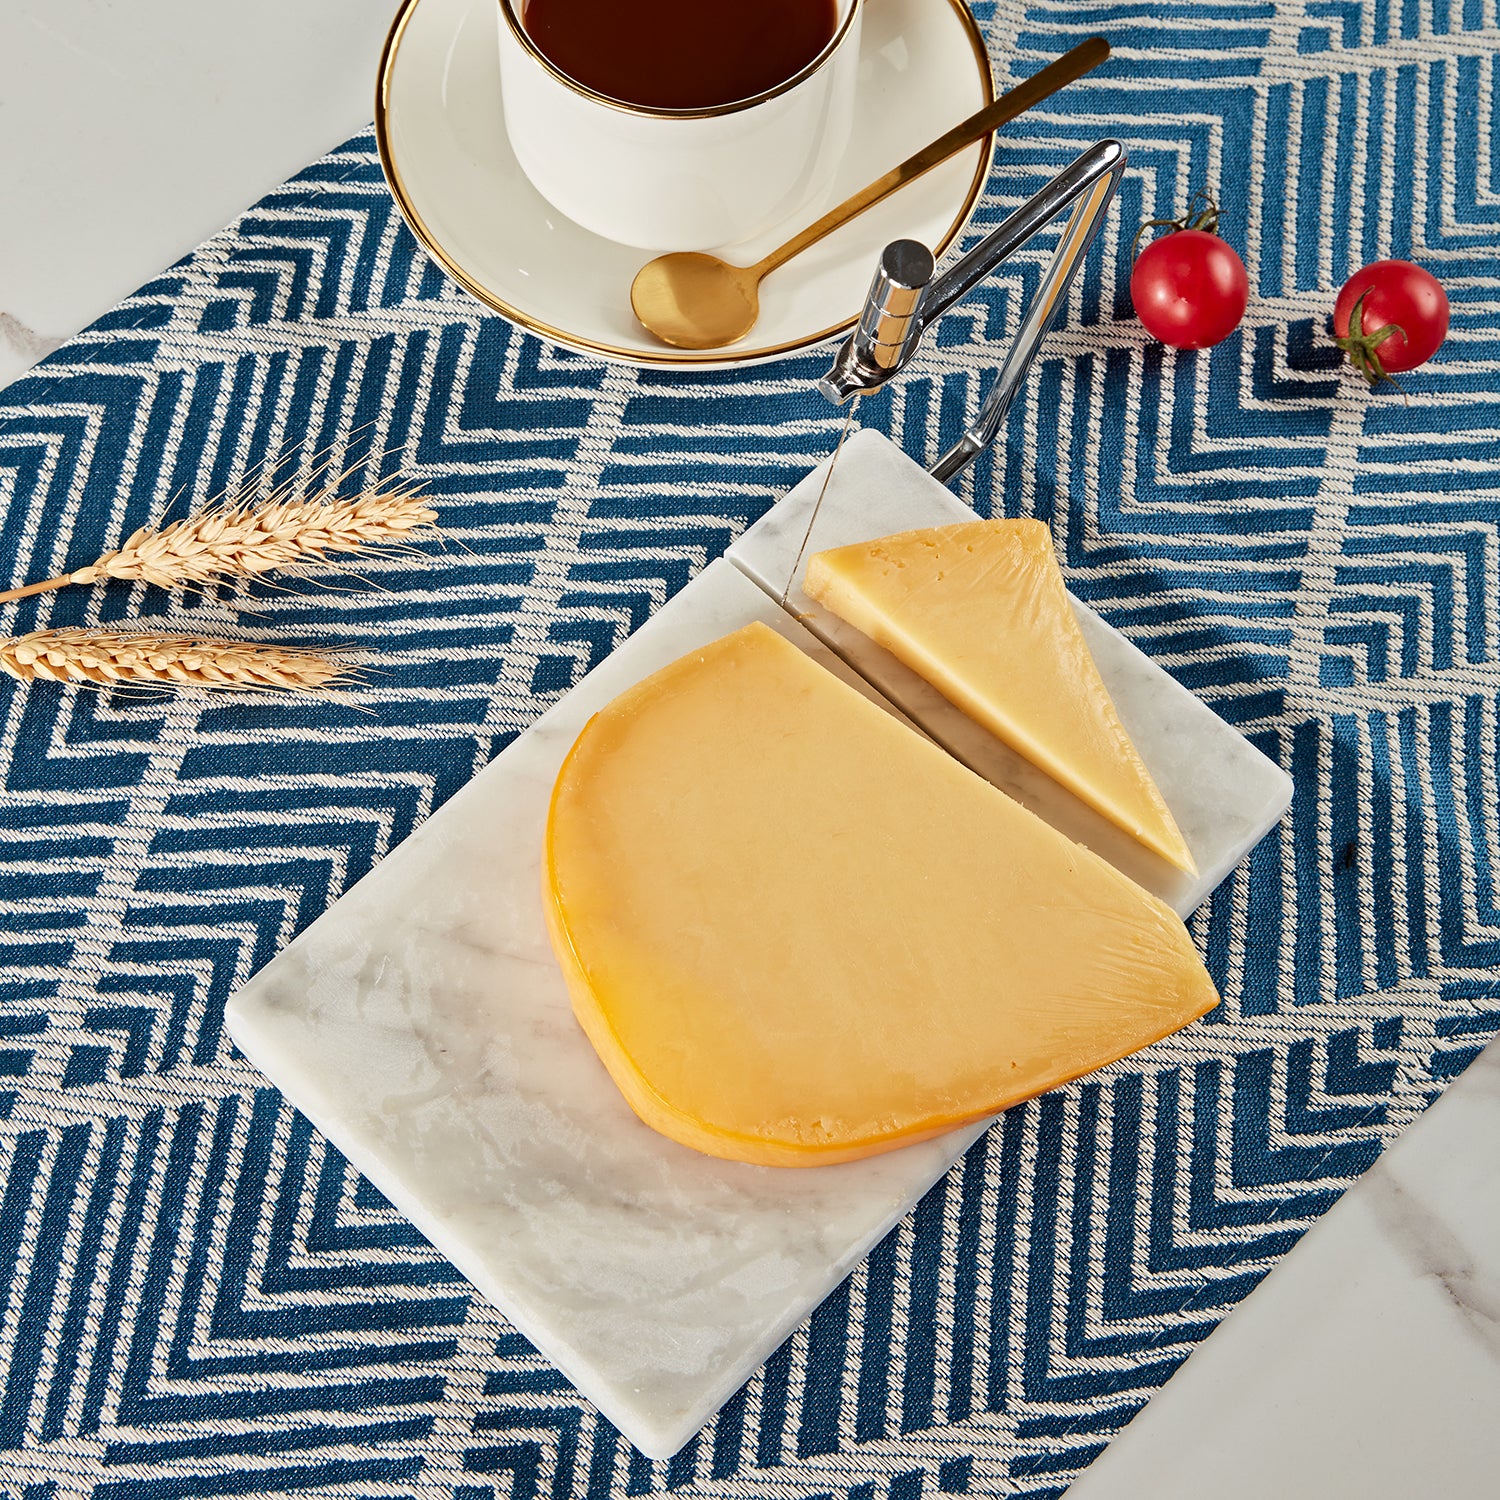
[[1083, 58]]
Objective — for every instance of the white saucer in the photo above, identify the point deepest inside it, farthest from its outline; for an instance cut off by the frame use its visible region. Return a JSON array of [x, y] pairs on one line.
[[441, 135]]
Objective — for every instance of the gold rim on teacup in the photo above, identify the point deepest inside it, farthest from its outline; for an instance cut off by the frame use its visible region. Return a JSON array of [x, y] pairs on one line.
[[508, 13]]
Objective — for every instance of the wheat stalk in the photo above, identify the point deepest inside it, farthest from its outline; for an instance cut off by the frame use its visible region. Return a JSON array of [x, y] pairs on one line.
[[110, 658], [244, 539]]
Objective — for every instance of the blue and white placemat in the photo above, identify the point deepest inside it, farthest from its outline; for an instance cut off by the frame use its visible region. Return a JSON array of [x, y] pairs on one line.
[[201, 1299]]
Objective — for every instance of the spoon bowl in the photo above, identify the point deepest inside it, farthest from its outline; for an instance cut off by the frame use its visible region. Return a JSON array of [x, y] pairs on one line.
[[696, 301]]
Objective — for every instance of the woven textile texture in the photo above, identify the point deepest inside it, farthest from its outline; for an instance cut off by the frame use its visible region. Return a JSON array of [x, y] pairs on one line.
[[200, 1298]]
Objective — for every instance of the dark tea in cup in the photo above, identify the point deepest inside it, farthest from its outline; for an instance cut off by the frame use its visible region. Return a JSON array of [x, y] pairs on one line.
[[680, 54]]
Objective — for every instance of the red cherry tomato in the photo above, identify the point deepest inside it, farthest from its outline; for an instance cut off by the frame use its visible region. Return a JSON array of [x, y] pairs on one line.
[[1189, 289], [1397, 296]]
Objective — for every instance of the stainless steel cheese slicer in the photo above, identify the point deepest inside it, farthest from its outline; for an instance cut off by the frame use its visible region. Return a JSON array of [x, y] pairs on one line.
[[906, 295]]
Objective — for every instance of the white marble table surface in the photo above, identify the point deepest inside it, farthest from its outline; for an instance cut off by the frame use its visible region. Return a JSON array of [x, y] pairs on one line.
[[1368, 1363]]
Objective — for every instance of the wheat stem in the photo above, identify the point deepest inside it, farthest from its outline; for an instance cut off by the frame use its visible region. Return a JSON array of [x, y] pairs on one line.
[[110, 658], [43, 587]]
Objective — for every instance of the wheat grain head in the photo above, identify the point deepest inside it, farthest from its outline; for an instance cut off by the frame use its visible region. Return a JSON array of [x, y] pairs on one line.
[[110, 658], [243, 541], [245, 538]]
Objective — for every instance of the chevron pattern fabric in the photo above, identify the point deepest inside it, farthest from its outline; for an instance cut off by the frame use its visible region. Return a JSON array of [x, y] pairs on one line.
[[201, 1298]]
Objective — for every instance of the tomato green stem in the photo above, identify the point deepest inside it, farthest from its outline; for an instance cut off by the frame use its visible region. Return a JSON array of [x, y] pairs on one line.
[[1362, 347], [1205, 218]]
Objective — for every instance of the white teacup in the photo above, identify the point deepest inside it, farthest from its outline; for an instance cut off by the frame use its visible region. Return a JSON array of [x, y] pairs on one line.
[[678, 179]]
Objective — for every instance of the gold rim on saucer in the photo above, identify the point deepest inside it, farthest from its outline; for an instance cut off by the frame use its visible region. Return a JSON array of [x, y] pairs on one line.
[[671, 358]]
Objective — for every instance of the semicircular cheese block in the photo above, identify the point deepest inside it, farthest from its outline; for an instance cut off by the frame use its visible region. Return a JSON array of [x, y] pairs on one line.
[[981, 611], [796, 932]]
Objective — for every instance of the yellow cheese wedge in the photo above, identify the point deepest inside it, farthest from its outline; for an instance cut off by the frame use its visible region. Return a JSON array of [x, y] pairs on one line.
[[796, 932], [981, 611]]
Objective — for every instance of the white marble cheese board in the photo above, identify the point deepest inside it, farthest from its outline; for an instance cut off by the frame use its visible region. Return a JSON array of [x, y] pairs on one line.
[[422, 1024]]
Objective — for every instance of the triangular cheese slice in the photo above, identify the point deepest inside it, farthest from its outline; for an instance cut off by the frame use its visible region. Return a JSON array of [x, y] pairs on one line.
[[981, 611], [797, 932]]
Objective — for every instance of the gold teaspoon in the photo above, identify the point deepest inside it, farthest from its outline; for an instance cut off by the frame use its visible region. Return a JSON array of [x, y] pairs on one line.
[[697, 301]]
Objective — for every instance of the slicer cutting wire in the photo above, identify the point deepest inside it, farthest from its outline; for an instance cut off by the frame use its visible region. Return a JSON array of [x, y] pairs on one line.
[[812, 520]]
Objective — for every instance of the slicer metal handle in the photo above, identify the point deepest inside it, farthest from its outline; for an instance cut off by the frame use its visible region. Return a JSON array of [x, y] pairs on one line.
[[901, 303]]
